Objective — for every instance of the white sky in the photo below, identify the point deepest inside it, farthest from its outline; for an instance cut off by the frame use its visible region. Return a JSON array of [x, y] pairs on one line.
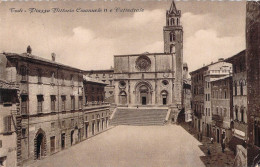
[[89, 40]]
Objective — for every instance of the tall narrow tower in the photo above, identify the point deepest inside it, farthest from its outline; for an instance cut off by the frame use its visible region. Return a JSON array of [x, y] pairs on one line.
[[173, 44]]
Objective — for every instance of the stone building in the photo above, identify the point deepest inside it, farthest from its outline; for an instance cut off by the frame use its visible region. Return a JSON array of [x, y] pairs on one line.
[[153, 79], [221, 108], [8, 108], [107, 77], [253, 81], [52, 110], [201, 93], [94, 91], [239, 108]]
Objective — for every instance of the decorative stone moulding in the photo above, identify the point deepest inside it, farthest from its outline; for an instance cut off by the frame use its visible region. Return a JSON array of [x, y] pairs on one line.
[[143, 63]]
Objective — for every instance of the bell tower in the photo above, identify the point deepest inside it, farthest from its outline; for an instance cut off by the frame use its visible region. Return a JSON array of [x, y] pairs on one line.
[[173, 44]]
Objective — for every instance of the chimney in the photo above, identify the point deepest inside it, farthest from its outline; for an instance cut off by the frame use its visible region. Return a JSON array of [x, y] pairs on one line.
[[221, 59], [29, 50], [53, 55]]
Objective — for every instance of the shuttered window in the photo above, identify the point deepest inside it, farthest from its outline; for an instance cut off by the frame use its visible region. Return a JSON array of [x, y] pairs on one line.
[[63, 102], [39, 103]]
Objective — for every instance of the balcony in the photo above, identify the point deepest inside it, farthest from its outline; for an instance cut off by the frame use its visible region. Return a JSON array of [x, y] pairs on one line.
[[217, 120]]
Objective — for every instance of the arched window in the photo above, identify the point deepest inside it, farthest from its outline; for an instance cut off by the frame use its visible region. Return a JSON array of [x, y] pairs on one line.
[[236, 113], [164, 97], [172, 21], [172, 36], [235, 86], [242, 114]]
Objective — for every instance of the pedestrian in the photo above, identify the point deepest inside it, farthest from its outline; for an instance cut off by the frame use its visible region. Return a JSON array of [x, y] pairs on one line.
[[223, 145], [211, 140], [209, 153]]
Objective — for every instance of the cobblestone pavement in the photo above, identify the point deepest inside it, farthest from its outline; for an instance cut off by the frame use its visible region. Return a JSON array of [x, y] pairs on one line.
[[132, 146], [217, 157]]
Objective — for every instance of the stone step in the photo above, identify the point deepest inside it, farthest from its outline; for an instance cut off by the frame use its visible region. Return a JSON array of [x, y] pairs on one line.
[[139, 117]]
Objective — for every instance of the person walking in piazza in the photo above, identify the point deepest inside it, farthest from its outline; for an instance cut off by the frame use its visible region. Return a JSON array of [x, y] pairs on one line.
[[223, 145]]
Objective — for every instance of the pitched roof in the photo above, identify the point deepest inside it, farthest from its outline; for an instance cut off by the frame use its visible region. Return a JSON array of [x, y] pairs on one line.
[[173, 8], [38, 59], [93, 80]]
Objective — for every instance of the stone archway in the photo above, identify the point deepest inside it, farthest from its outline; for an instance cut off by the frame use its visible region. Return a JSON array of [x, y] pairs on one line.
[[143, 93], [40, 146], [164, 97]]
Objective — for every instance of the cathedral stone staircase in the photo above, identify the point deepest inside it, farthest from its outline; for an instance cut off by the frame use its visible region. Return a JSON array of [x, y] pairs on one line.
[[139, 116]]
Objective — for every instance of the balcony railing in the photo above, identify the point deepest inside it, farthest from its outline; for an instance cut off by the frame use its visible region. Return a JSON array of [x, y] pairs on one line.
[[214, 72], [96, 103]]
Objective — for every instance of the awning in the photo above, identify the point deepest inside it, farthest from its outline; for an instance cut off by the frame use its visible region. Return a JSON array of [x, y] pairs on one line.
[[234, 141]]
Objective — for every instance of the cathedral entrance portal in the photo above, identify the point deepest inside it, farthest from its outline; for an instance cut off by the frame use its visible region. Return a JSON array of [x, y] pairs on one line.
[[143, 93]]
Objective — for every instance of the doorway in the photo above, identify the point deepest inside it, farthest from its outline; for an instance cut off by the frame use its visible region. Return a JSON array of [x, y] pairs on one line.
[[207, 130], [93, 128], [218, 135], [86, 129], [143, 100], [164, 100], [62, 140], [39, 146], [71, 137]]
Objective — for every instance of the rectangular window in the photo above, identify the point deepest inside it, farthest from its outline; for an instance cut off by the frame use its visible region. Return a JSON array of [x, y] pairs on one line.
[[62, 79], [86, 99], [72, 102], [63, 124], [39, 76], [52, 77], [80, 102], [209, 111], [1, 144], [72, 122], [53, 100], [8, 123], [52, 139], [63, 103], [23, 132], [52, 125], [39, 103], [24, 104], [209, 97], [23, 72]]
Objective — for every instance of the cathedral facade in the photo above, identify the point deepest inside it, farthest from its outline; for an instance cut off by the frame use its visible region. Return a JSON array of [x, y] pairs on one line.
[[153, 79]]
